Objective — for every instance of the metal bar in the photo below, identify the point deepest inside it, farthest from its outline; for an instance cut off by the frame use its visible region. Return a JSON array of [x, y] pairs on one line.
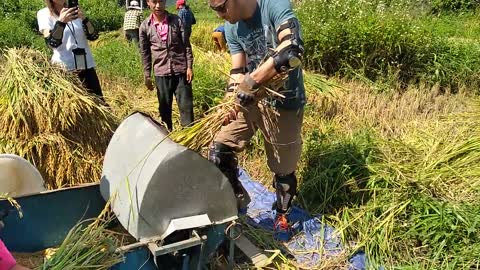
[[161, 250], [143, 242], [231, 249]]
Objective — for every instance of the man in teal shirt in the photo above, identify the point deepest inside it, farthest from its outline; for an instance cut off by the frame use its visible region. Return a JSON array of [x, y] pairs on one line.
[[267, 30]]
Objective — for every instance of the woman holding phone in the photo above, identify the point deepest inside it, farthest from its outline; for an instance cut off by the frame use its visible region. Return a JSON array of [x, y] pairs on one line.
[[66, 30]]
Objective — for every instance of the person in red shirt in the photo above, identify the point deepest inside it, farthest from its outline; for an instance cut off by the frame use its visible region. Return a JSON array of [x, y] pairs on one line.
[[7, 262]]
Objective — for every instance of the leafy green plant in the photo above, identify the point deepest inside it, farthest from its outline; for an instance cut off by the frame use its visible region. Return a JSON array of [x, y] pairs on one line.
[[439, 6]]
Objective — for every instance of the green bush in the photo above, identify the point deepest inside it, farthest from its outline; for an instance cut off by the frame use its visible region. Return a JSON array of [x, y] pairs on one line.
[[23, 10], [382, 42], [439, 6], [104, 14], [16, 33]]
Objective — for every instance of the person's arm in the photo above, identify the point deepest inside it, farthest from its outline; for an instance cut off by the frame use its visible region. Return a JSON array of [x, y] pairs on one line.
[[146, 53], [194, 21], [6, 259], [53, 33], [287, 56], [290, 42], [238, 71], [90, 31]]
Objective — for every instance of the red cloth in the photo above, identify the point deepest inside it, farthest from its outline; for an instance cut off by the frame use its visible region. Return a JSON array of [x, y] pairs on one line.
[[180, 3], [7, 261]]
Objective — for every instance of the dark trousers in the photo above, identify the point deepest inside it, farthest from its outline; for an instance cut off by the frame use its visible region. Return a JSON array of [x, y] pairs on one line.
[[132, 35], [90, 81], [177, 85]]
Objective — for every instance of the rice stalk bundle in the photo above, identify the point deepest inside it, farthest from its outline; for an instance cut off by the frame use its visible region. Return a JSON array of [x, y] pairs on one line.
[[49, 119], [202, 132], [85, 247], [441, 163]]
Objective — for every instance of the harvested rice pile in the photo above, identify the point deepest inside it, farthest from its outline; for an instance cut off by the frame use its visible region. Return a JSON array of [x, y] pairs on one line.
[[49, 119]]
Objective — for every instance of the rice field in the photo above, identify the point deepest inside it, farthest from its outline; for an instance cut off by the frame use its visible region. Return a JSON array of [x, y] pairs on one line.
[[395, 170]]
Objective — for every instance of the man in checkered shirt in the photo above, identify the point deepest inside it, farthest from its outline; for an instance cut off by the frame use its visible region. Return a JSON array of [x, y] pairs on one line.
[[187, 17], [132, 20]]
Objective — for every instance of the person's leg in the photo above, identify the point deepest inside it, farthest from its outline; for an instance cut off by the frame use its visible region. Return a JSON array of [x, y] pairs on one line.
[[128, 36], [283, 146], [132, 35], [90, 81], [136, 36], [184, 97], [230, 139], [165, 99]]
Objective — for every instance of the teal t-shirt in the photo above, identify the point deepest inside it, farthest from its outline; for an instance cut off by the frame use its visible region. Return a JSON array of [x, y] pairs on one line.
[[256, 36]]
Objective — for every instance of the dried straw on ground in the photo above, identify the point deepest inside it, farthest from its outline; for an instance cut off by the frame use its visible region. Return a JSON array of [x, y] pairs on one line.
[[47, 118]]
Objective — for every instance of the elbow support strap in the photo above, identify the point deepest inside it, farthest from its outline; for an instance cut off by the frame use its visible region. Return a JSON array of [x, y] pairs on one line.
[[90, 36], [56, 35], [288, 55]]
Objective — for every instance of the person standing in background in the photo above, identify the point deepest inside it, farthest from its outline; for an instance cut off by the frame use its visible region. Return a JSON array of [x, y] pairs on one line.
[[66, 31], [187, 17], [132, 20], [163, 46], [219, 40]]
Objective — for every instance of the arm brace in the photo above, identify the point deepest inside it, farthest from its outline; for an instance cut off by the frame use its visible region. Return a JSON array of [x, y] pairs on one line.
[[56, 35], [241, 70], [288, 55], [90, 32]]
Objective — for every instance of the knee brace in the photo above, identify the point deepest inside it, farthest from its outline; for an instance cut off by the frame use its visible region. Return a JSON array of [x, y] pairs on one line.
[[286, 188], [225, 159]]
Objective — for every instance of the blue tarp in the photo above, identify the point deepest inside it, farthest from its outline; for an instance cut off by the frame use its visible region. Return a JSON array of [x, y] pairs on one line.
[[313, 241]]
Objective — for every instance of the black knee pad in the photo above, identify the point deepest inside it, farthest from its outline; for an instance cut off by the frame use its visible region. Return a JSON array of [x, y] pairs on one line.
[[286, 189], [225, 159]]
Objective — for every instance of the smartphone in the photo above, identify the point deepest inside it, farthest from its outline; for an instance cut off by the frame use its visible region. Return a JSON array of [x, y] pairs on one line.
[[71, 3]]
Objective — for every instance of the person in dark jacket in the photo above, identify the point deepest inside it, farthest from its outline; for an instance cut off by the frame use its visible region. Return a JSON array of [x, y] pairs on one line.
[[187, 16], [164, 47]]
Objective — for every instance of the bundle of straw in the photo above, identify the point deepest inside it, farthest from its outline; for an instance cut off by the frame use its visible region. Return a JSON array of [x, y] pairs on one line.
[[201, 133], [88, 245], [85, 247], [13, 203], [49, 119]]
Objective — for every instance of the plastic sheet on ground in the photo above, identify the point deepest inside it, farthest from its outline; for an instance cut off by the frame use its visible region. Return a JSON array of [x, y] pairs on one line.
[[311, 242]]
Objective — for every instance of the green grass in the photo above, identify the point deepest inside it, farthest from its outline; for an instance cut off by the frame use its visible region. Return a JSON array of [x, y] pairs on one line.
[[392, 45]]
